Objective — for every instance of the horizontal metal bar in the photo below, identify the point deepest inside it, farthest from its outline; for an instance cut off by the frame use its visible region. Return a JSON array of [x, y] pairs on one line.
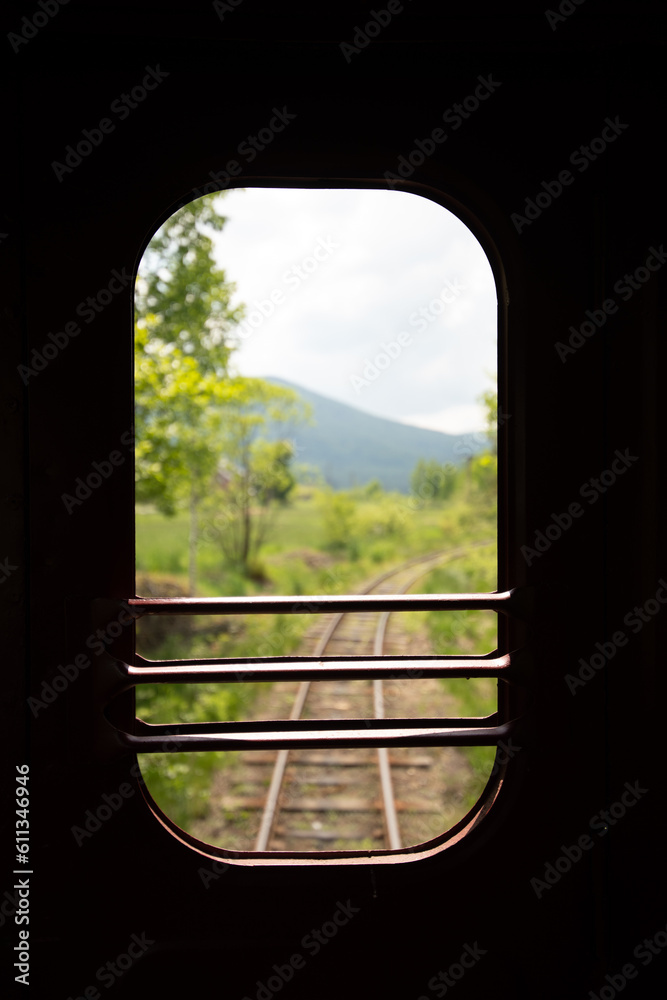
[[292, 726], [290, 669], [321, 604], [404, 733]]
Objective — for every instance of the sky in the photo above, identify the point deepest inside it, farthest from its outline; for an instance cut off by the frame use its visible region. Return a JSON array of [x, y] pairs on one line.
[[380, 299]]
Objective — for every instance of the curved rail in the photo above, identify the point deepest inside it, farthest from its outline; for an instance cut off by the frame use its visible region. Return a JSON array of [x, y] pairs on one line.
[[271, 810]]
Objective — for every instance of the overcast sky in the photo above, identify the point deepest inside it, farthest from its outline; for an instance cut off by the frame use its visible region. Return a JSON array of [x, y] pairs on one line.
[[349, 272]]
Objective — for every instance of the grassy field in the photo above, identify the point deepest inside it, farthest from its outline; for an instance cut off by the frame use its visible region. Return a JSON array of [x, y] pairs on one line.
[[321, 543]]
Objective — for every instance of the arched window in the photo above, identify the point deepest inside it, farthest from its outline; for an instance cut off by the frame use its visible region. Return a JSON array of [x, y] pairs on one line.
[[382, 304]]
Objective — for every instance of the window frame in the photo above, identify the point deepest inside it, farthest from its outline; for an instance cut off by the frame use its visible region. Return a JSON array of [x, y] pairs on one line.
[[124, 732]]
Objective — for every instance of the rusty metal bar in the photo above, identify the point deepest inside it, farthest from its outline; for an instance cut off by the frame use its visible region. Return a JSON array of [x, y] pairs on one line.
[[309, 668], [321, 604], [375, 735]]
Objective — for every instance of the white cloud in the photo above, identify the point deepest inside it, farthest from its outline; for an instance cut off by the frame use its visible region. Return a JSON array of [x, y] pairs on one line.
[[463, 419], [395, 254]]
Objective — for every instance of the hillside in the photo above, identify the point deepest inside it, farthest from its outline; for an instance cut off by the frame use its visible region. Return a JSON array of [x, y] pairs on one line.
[[351, 447]]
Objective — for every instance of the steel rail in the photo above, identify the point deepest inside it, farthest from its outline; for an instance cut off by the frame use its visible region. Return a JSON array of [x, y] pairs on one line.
[[389, 809], [388, 798], [315, 734], [271, 807]]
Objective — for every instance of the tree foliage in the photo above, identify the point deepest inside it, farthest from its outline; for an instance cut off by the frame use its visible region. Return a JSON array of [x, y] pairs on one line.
[[178, 421], [490, 400], [477, 477], [180, 283], [191, 415], [255, 474], [432, 481]]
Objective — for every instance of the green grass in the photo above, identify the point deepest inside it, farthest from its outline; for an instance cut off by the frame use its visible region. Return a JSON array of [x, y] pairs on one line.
[[382, 530], [162, 543], [468, 632], [321, 543]]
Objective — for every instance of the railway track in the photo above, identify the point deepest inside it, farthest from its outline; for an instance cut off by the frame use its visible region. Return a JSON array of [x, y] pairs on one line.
[[342, 800]]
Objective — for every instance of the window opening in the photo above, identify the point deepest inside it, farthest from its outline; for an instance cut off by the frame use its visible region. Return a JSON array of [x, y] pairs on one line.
[[314, 388]]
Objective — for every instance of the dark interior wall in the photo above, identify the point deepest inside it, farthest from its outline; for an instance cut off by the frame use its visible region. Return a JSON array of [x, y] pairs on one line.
[[67, 235]]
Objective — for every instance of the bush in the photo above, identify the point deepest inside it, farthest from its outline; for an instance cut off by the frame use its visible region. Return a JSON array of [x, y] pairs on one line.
[[339, 519]]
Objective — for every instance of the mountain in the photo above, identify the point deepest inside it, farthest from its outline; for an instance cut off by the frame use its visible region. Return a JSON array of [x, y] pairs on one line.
[[352, 448]]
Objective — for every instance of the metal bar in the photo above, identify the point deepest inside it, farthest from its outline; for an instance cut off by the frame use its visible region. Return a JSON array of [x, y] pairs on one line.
[[284, 669], [320, 604], [337, 736], [303, 725]]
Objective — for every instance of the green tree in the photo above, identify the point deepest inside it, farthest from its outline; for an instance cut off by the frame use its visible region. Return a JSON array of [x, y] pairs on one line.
[[255, 473], [339, 519], [273, 464], [180, 283], [483, 468], [179, 414], [493, 416], [432, 481], [477, 478], [189, 410], [182, 349]]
